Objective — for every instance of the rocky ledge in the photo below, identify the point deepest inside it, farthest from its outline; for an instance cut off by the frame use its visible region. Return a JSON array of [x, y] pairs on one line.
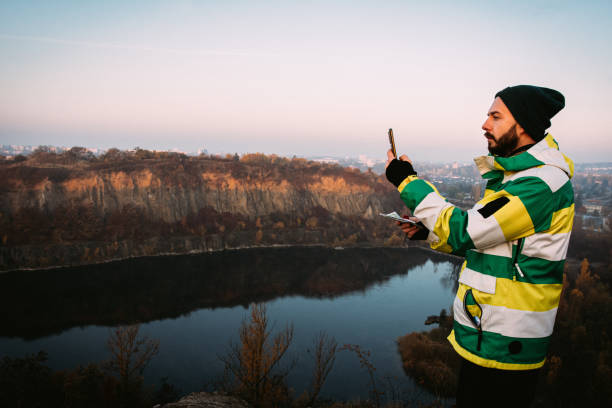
[[206, 400]]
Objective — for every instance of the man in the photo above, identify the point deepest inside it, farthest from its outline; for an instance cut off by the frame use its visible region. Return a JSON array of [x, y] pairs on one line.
[[514, 242]]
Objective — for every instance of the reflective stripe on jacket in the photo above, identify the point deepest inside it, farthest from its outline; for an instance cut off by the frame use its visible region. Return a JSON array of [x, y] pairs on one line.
[[514, 242]]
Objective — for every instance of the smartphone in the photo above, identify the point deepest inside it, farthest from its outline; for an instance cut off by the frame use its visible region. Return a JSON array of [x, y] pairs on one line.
[[395, 216], [392, 143]]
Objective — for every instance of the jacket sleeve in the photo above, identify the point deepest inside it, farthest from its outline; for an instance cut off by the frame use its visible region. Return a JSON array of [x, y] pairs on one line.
[[522, 207]]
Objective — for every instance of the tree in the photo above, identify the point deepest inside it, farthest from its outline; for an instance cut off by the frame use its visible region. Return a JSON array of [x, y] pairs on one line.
[[28, 382], [113, 154], [43, 154], [585, 279], [130, 356], [254, 363], [324, 354], [88, 386], [78, 153], [364, 360]]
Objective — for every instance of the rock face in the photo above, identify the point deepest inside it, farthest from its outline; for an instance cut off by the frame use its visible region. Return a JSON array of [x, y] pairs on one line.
[[56, 213], [206, 400], [170, 200]]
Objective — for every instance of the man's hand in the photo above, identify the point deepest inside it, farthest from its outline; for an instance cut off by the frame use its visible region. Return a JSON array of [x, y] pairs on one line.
[[397, 170], [408, 228], [390, 157], [413, 231]]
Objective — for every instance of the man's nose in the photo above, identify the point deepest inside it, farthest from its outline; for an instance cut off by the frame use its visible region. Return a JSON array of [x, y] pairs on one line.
[[485, 126]]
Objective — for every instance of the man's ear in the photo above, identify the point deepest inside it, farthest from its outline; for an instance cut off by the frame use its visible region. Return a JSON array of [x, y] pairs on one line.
[[522, 134]]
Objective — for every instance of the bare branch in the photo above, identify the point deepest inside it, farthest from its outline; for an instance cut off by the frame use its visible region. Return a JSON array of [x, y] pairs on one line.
[[254, 363], [325, 349]]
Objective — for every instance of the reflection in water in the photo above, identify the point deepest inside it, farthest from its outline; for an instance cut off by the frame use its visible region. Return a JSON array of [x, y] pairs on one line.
[[39, 303], [194, 306]]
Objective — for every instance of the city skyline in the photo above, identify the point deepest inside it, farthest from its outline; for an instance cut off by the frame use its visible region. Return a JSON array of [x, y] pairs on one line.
[[297, 78]]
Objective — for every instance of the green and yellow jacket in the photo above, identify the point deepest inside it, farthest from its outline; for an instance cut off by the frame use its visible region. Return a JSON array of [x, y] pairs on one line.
[[514, 242]]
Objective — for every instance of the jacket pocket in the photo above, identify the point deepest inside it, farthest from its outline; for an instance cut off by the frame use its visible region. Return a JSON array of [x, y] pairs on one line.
[[478, 281]]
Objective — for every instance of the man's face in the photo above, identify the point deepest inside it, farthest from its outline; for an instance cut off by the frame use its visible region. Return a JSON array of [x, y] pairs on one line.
[[500, 129]]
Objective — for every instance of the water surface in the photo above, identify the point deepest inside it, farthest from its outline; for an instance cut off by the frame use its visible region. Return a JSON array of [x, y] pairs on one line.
[[194, 305]]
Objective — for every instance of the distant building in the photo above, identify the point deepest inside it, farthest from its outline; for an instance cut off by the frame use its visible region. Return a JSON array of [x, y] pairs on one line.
[[476, 191], [593, 208], [594, 223]]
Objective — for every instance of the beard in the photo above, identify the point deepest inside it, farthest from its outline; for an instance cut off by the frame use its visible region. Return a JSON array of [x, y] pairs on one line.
[[505, 145]]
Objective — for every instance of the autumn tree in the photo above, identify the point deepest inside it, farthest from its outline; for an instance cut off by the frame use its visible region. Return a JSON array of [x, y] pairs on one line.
[[585, 279], [130, 354], [579, 368], [114, 154], [78, 153], [254, 364]]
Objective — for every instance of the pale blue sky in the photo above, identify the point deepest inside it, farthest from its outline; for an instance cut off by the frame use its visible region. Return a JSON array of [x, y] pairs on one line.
[[303, 77]]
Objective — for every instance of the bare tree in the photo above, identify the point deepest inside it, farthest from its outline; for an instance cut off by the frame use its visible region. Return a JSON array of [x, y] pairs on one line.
[[324, 354], [254, 363], [364, 360], [130, 355]]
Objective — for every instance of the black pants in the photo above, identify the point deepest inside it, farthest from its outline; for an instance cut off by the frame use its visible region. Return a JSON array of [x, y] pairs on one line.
[[490, 387]]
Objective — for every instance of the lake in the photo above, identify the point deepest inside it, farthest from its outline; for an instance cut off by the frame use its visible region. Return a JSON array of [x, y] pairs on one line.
[[195, 304]]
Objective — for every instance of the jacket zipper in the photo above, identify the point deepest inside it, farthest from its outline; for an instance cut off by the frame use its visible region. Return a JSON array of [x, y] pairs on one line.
[[477, 322], [519, 247]]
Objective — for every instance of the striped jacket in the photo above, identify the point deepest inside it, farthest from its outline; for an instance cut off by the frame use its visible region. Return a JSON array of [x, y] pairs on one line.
[[514, 242]]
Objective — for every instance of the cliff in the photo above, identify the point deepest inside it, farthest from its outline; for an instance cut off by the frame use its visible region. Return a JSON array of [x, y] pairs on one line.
[[70, 208]]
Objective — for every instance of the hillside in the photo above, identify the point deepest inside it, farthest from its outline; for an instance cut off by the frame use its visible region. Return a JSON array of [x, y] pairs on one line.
[[74, 208]]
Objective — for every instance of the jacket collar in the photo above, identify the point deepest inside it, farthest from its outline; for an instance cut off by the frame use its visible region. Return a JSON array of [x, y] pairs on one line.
[[545, 152]]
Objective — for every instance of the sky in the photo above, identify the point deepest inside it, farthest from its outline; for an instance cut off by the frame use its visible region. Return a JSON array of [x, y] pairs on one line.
[[304, 78]]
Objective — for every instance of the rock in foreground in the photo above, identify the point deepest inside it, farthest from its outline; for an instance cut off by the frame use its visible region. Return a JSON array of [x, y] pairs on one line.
[[206, 400]]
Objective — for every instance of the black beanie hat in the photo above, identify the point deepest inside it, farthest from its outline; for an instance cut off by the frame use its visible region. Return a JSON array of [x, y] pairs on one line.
[[532, 107]]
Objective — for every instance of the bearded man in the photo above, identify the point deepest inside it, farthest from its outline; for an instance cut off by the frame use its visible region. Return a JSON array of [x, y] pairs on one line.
[[514, 242]]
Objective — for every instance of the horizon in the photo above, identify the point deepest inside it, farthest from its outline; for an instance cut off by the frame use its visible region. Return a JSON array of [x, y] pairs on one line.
[[361, 157], [289, 78]]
